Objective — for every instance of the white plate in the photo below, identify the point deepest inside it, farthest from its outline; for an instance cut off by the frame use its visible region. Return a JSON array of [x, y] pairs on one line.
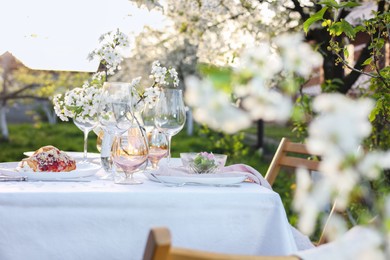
[[82, 170], [213, 179], [74, 155]]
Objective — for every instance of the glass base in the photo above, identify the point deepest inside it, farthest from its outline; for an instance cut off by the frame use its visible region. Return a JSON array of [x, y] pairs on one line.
[[106, 163], [108, 176], [151, 168], [128, 181], [108, 167], [86, 162]]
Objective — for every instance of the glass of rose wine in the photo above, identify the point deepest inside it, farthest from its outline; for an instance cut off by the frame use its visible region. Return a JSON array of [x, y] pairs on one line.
[[158, 147], [130, 152]]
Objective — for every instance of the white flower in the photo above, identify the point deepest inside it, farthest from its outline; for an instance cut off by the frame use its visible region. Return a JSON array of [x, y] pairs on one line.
[[81, 103], [108, 53], [261, 61], [163, 76], [151, 95], [336, 227], [310, 198], [213, 107], [297, 56], [135, 82], [372, 164], [266, 104], [332, 130]]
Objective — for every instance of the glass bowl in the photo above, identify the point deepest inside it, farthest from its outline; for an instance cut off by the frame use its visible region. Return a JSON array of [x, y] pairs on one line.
[[188, 162]]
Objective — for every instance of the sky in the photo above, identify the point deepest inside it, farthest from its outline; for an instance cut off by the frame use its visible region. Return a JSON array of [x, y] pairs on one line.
[[59, 34]]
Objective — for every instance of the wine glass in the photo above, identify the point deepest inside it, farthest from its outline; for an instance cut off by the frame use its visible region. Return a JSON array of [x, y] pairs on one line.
[[147, 115], [129, 152], [85, 124], [114, 114], [170, 114], [158, 146], [99, 137]]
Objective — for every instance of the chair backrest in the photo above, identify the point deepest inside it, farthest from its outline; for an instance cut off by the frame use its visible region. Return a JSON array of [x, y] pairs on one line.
[[286, 156], [158, 247]]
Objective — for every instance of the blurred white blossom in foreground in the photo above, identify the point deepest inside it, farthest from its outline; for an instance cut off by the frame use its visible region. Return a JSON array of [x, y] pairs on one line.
[[214, 107], [264, 85], [260, 85]]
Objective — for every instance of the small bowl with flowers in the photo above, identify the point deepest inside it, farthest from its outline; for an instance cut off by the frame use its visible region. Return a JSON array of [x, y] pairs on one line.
[[203, 162]]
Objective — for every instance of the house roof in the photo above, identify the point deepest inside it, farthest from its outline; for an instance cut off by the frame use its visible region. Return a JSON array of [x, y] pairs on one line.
[[359, 13], [9, 60]]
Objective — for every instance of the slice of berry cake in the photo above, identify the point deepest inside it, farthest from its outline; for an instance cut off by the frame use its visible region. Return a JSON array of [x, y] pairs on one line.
[[48, 159]]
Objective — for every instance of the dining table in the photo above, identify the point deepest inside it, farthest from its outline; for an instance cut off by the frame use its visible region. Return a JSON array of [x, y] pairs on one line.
[[95, 218]]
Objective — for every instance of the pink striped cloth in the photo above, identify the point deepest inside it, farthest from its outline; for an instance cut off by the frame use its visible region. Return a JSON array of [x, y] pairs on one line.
[[249, 171]]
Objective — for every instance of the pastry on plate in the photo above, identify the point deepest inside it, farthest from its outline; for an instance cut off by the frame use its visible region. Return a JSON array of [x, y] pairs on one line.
[[48, 159]]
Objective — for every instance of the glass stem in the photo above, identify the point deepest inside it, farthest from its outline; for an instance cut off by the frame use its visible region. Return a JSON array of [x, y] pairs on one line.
[[169, 150], [86, 132]]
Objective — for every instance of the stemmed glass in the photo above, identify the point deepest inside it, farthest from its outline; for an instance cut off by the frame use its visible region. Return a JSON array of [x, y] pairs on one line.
[[147, 115], [170, 114], [114, 113], [158, 141], [129, 152], [86, 124], [158, 146]]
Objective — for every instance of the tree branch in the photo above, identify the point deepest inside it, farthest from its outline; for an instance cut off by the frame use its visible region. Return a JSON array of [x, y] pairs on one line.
[[23, 97], [357, 70], [14, 94], [298, 8]]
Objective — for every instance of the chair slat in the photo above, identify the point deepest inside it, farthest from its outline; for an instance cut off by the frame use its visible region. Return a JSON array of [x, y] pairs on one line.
[[190, 254], [295, 162], [287, 156], [296, 148], [159, 247], [158, 244]]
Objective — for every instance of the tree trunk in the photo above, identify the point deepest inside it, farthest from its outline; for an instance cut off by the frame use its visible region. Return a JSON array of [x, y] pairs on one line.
[[3, 122], [260, 134], [50, 114], [331, 70]]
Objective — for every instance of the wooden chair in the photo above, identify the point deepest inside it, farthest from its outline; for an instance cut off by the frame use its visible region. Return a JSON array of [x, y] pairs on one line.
[[159, 247], [284, 158]]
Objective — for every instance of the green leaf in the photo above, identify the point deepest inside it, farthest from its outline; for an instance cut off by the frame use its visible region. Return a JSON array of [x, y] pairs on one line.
[[367, 62], [359, 29], [330, 3], [375, 111], [346, 52], [348, 29], [342, 27], [334, 4], [349, 4], [314, 18]]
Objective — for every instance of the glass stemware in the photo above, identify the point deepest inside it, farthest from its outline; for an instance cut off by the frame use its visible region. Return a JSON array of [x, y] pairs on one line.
[[114, 113], [158, 146], [170, 114], [85, 124], [129, 152], [147, 115]]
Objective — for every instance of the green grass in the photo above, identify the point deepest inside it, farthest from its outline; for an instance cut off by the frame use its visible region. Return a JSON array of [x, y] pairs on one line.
[[29, 137]]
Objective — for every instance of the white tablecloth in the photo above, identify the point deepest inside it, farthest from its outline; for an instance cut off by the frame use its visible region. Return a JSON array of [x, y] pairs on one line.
[[102, 220]]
